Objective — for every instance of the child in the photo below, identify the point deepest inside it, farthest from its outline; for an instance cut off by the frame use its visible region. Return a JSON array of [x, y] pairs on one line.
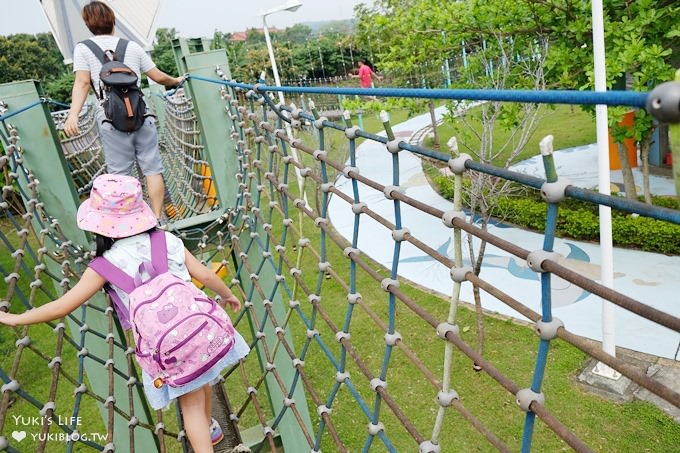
[[366, 76], [122, 222]]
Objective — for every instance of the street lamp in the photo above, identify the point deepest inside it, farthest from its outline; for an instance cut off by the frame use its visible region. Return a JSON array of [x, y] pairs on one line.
[[290, 5]]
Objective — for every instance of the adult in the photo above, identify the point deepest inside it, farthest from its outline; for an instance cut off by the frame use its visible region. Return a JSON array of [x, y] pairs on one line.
[[121, 149]]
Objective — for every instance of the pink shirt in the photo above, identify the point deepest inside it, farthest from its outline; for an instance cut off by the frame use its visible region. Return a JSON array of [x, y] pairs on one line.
[[365, 76]]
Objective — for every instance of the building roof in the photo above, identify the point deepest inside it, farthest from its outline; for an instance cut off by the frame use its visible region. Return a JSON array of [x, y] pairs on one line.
[[243, 35]]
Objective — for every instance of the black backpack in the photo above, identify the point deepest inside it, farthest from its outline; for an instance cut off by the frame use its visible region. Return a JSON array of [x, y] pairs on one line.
[[124, 105]]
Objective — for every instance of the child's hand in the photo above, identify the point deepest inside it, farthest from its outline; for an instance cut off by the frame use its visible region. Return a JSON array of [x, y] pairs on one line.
[[232, 301], [7, 318]]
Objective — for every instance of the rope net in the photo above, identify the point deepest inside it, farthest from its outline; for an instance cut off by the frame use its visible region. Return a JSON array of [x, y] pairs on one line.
[[346, 327]]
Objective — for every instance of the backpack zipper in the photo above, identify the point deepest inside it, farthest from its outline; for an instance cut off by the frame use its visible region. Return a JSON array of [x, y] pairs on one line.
[[189, 337]]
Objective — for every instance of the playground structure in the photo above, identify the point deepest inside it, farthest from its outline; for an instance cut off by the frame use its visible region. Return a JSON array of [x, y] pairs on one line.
[[235, 182]]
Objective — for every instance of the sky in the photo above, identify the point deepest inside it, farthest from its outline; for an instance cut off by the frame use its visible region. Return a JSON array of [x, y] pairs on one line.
[[195, 18]]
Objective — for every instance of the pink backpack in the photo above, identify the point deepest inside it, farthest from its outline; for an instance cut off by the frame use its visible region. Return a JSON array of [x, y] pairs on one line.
[[180, 333]]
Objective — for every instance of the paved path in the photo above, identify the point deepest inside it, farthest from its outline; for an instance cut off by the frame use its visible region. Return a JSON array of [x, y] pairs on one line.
[[650, 278]]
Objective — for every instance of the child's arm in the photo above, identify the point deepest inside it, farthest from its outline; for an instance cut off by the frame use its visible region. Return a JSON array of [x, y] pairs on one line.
[[89, 284], [210, 280]]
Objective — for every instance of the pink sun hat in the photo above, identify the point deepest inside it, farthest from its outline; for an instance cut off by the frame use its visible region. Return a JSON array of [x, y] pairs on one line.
[[116, 208]]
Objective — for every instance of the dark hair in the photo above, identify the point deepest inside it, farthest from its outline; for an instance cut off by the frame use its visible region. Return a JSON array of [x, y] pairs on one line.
[[99, 18], [367, 63], [104, 243]]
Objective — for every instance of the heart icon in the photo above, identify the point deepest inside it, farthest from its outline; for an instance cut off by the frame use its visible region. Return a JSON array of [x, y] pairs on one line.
[[19, 435]]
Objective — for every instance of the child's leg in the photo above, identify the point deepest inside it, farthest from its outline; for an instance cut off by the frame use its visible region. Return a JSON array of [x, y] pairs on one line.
[[195, 424], [207, 389]]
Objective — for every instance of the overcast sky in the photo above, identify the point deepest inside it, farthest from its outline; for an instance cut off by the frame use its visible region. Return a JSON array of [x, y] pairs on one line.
[[195, 18]]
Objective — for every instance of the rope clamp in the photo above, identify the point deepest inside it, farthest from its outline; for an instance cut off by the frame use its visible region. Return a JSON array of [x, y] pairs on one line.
[[429, 447], [457, 165], [400, 235], [444, 328], [319, 122], [535, 259], [351, 132], [342, 336], [341, 377], [547, 330], [393, 146], [554, 192], [392, 338], [387, 282], [357, 208], [347, 170], [387, 191], [446, 398], [353, 298], [449, 216], [375, 429], [527, 396], [459, 274]]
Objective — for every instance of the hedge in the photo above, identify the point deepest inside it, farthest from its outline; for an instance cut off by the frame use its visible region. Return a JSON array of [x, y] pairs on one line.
[[579, 220]]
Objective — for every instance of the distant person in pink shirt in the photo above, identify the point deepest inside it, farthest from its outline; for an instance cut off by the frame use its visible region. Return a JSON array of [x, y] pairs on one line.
[[366, 75]]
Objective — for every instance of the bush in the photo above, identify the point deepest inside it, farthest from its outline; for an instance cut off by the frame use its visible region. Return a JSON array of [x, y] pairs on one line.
[[579, 220]]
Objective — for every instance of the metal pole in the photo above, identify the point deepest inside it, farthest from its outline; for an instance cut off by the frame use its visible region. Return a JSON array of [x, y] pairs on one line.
[[606, 247], [275, 70], [447, 69], [277, 82]]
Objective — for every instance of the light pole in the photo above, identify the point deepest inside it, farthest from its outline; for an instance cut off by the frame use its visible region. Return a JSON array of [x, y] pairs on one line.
[[290, 5]]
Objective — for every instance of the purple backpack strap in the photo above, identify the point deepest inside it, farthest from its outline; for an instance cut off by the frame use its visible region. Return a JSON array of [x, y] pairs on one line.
[[159, 251], [113, 275]]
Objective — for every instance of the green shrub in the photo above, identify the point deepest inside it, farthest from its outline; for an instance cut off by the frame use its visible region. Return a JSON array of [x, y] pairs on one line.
[[579, 220]]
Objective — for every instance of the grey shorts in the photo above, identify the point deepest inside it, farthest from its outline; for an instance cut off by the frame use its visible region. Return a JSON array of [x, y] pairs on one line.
[[122, 149]]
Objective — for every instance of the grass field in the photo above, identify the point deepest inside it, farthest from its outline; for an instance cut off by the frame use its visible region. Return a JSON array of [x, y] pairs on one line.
[[570, 126]]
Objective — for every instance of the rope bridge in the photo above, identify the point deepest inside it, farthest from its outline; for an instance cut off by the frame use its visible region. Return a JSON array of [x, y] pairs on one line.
[[336, 365]]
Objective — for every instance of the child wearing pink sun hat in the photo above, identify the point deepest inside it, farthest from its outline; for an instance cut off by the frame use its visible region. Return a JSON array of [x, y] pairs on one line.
[[125, 233], [116, 208]]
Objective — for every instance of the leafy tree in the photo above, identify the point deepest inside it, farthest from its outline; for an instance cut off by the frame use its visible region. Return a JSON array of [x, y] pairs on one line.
[[60, 89], [162, 53], [236, 55], [410, 37], [640, 38], [24, 56], [297, 34], [525, 44], [499, 54]]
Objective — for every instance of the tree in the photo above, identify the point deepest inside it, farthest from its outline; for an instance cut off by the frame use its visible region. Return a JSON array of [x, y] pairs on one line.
[[639, 39], [24, 56], [410, 33], [60, 89], [504, 48], [162, 53], [297, 34]]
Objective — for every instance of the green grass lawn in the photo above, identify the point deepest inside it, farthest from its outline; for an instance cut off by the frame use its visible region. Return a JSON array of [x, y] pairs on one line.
[[570, 126]]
